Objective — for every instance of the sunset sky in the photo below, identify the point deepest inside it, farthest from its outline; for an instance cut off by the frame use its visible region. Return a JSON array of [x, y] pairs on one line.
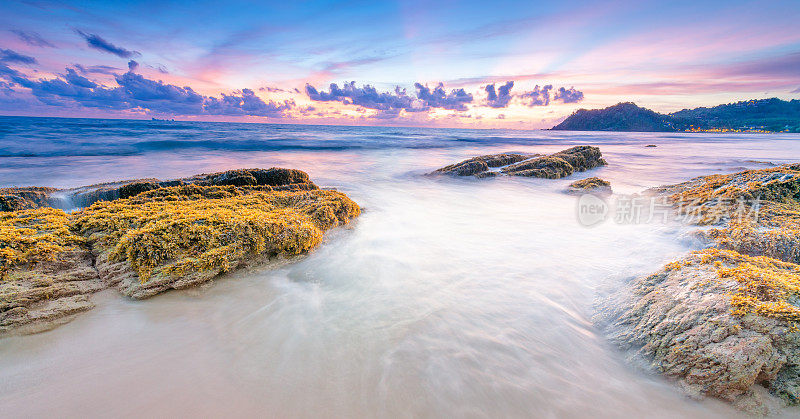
[[394, 63]]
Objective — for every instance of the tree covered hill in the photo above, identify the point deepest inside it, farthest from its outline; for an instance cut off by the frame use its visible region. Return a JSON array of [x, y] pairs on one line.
[[772, 115]]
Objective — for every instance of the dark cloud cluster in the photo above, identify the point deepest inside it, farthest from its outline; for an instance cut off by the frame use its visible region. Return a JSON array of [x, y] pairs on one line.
[[366, 96], [568, 95], [138, 93], [10, 56], [456, 100], [72, 77], [246, 104], [98, 43], [391, 103], [32, 38], [10, 75], [539, 96], [500, 97]]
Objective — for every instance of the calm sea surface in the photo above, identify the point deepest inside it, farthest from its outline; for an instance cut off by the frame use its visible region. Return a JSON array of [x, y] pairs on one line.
[[448, 297]]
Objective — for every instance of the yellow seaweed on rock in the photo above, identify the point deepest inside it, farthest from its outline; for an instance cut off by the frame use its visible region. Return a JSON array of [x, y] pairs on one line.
[[764, 286], [33, 235], [590, 183], [180, 230]]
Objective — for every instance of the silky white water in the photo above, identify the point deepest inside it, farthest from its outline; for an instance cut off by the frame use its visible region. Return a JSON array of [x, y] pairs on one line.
[[447, 297]]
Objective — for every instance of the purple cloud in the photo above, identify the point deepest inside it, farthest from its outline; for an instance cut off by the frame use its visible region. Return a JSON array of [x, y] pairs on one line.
[[10, 56], [568, 95], [456, 100], [72, 77], [32, 38], [135, 92], [247, 103], [391, 103], [366, 96], [98, 43], [132, 65], [12, 76], [499, 98], [538, 96]]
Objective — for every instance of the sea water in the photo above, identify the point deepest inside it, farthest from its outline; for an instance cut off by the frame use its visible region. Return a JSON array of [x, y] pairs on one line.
[[447, 297]]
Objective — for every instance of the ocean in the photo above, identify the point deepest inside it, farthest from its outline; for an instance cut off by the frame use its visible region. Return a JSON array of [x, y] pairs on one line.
[[447, 297]]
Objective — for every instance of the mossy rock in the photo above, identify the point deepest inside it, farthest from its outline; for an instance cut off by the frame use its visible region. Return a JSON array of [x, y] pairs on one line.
[[725, 320], [158, 238], [555, 166], [15, 199], [479, 165], [590, 185], [719, 322]]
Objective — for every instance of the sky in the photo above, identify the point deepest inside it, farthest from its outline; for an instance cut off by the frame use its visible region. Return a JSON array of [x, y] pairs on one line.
[[473, 64]]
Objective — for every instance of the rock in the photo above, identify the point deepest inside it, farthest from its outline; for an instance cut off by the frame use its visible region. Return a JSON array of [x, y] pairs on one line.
[[277, 178], [46, 272], [178, 237], [681, 320], [135, 188], [548, 167], [154, 238], [87, 195], [480, 164], [555, 166], [590, 185], [15, 199], [724, 321], [757, 211], [651, 145]]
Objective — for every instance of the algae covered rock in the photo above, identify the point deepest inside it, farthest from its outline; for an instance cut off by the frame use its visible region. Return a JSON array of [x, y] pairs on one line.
[[724, 321], [276, 178], [16, 199], [480, 164], [590, 185], [756, 212], [554, 166], [718, 321], [46, 272], [151, 238], [182, 236]]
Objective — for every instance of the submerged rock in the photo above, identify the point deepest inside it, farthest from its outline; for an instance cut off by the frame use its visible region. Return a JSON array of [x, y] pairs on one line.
[[554, 166], [724, 321], [590, 185], [158, 238]]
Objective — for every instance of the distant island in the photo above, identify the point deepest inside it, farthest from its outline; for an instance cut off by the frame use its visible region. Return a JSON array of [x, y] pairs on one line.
[[764, 115]]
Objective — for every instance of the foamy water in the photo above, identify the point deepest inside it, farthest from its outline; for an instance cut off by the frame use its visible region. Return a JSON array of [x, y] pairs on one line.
[[446, 298]]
